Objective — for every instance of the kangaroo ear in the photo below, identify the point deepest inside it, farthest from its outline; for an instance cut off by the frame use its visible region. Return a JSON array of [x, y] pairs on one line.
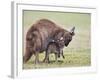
[[72, 31]]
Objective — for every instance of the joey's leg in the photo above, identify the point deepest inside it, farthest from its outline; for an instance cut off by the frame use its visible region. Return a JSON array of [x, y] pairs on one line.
[[62, 54]]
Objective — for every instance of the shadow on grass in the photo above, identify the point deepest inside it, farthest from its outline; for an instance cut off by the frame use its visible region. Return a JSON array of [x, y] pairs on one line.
[[53, 61]]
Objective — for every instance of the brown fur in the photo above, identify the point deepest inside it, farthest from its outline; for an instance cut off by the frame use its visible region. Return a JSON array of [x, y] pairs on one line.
[[40, 34]]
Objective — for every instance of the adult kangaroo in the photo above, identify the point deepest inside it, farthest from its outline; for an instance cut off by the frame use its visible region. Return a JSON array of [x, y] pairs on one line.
[[40, 34]]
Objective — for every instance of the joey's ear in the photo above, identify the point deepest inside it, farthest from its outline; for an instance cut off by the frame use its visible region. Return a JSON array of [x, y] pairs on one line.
[[72, 31]]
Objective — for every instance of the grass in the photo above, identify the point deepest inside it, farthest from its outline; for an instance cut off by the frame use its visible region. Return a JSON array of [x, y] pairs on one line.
[[71, 60], [78, 52]]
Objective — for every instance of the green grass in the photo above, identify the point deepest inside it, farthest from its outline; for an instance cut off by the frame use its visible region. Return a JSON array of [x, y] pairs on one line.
[[72, 59], [78, 52]]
